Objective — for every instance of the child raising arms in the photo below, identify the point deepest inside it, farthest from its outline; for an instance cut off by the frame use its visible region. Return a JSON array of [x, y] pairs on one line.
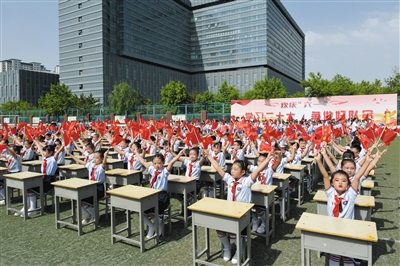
[[239, 189], [159, 180]]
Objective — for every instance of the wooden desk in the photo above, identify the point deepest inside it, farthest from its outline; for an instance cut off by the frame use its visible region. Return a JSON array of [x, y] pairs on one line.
[[282, 183], [149, 157], [123, 177], [310, 164], [182, 185], [3, 171], [362, 209], [223, 215], [297, 171], [69, 160], [23, 181], [3, 162], [343, 237], [136, 199], [113, 155], [228, 164], [32, 166], [209, 174], [366, 187], [75, 189], [73, 170], [251, 159], [114, 163], [264, 195]]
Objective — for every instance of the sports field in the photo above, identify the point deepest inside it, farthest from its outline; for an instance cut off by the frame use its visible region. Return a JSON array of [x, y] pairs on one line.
[[37, 242]]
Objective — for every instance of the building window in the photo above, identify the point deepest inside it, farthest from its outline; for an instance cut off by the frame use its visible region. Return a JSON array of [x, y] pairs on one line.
[[230, 80], [238, 79], [246, 79], [80, 32], [79, 5], [80, 45], [79, 19], [80, 86], [215, 81], [80, 58], [80, 72]]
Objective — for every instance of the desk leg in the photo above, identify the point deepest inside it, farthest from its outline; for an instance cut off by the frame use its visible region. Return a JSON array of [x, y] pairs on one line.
[[307, 257], [207, 232], [299, 190], [79, 204], [24, 196], [73, 209], [128, 222], [185, 212], [113, 225], [273, 217], [8, 199], [239, 247], [57, 210], [369, 254], [157, 223], [194, 239], [141, 226], [41, 198], [96, 208], [302, 248], [215, 187], [267, 224], [283, 211]]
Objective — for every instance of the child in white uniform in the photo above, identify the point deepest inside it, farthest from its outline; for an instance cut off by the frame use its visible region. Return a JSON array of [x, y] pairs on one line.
[[239, 189]]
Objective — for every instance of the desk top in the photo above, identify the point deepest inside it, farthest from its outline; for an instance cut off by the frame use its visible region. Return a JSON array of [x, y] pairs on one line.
[[368, 184], [3, 168], [72, 167], [265, 189], [112, 152], [111, 161], [33, 163], [180, 179], [23, 175], [250, 156], [74, 183], [133, 192], [229, 161], [281, 176], [208, 169], [307, 160], [149, 155], [295, 167], [221, 207], [327, 225], [76, 156], [122, 172], [361, 200]]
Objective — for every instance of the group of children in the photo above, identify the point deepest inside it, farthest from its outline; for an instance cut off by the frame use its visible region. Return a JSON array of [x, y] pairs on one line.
[[341, 187]]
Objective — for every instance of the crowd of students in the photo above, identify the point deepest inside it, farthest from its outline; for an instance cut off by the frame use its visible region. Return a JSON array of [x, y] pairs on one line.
[[274, 143]]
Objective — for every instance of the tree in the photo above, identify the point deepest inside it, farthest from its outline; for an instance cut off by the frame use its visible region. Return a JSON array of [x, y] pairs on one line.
[[298, 94], [58, 100], [84, 103], [19, 106], [123, 99], [315, 85], [205, 98], [266, 89], [366, 87], [226, 93], [174, 93], [393, 82]]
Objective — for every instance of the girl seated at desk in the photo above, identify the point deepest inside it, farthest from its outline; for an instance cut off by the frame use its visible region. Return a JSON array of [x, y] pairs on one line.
[[96, 169], [239, 189], [341, 194], [159, 180], [14, 165]]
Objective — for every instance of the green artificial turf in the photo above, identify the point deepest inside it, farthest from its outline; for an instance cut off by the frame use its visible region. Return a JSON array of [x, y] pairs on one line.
[[38, 242]]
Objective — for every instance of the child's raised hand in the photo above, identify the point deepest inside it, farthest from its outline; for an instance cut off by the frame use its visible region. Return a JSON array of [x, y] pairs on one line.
[[106, 153], [318, 156], [68, 151], [182, 152], [206, 152]]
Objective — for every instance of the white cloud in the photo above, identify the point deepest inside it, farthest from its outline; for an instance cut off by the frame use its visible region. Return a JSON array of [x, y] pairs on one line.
[[363, 51]]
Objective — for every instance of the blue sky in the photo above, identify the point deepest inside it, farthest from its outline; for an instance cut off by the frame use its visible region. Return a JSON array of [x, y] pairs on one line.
[[357, 39]]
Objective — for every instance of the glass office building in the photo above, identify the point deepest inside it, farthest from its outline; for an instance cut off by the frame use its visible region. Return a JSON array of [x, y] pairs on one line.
[[147, 43]]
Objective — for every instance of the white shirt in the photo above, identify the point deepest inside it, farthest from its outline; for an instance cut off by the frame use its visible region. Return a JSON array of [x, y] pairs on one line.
[[243, 189]]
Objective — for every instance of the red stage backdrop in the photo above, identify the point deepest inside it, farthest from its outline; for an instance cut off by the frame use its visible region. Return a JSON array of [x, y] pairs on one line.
[[380, 107]]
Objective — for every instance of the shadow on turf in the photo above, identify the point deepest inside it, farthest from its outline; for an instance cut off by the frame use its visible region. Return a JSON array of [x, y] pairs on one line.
[[381, 248], [380, 224]]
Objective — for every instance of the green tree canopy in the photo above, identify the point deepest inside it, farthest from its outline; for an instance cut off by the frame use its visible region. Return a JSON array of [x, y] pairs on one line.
[[205, 98], [266, 89], [125, 99], [226, 93], [174, 93], [86, 102], [58, 100], [19, 106], [315, 85], [393, 82]]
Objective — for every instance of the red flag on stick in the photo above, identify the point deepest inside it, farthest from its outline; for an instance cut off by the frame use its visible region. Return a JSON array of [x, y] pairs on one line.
[[116, 140], [388, 136]]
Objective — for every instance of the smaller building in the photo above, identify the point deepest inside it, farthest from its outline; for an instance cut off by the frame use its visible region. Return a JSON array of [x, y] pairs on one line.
[[24, 81]]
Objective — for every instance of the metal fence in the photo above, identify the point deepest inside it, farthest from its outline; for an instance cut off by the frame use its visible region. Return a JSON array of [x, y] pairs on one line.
[[186, 111]]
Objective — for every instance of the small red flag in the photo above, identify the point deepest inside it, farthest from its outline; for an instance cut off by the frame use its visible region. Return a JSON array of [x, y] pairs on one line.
[[116, 140], [207, 141], [67, 138], [2, 147], [214, 125], [388, 136]]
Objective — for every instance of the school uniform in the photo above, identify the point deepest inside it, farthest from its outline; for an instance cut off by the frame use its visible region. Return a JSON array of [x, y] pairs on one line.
[[88, 157], [14, 164], [27, 154], [151, 149], [48, 142], [159, 180], [265, 176], [61, 158], [124, 158], [240, 190], [219, 158], [193, 170], [96, 173], [48, 170], [237, 153], [167, 156], [133, 162]]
